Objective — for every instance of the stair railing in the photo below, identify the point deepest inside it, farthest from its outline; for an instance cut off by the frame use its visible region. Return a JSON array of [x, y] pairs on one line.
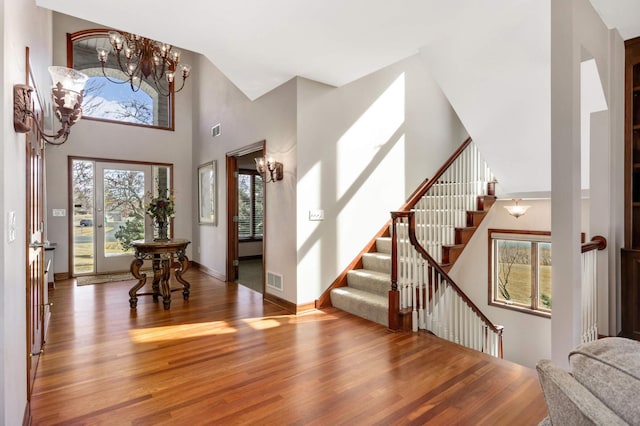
[[436, 302], [590, 287], [419, 284], [442, 203]]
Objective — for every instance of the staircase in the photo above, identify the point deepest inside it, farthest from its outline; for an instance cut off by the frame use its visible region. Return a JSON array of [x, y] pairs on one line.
[[449, 209], [366, 293]]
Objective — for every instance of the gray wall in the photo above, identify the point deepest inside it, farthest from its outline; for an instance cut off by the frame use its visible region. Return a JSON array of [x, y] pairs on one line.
[[23, 25], [271, 117], [362, 149], [90, 138]]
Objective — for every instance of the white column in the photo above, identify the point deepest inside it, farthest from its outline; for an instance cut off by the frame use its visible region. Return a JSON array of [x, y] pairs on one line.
[[565, 182]]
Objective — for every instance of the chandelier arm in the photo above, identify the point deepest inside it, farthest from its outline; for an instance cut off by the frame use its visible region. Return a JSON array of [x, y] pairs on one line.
[[159, 87], [134, 89], [113, 81], [181, 86]]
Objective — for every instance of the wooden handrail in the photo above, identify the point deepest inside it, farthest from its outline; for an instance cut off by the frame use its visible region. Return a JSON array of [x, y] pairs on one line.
[[597, 243], [432, 263], [428, 183]]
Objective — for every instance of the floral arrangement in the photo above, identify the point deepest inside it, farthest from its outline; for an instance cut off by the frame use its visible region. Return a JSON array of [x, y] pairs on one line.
[[160, 208]]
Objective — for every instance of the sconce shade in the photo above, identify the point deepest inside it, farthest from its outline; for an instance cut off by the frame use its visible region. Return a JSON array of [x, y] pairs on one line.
[[69, 78], [67, 92], [517, 210], [275, 169]]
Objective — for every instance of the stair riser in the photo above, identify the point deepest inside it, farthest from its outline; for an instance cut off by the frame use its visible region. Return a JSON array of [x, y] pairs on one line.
[[463, 235], [379, 262], [358, 279], [383, 245], [372, 309]]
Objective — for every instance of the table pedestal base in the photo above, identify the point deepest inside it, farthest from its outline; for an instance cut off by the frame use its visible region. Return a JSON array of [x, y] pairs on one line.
[[162, 254]]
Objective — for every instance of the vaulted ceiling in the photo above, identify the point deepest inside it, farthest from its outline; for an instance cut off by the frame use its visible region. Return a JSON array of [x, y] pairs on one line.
[[261, 44]]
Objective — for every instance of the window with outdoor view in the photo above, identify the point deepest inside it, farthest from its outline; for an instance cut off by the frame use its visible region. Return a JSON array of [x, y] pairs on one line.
[[250, 205], [520, 270], [115, 100]]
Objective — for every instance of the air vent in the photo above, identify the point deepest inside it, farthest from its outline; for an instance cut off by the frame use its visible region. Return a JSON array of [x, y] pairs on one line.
[[215, 130], [274, 281]]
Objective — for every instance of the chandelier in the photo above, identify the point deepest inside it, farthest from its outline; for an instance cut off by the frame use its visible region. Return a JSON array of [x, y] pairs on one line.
[[141, 58]]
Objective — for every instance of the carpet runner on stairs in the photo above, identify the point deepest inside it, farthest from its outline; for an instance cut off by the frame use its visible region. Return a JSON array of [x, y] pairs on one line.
[[367, 293]]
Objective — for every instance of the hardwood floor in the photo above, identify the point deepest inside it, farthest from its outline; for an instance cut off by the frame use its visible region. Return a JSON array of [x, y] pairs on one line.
[[226, 357]]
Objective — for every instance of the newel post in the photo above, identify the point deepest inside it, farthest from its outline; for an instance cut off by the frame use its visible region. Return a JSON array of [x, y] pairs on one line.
[[394, 294]]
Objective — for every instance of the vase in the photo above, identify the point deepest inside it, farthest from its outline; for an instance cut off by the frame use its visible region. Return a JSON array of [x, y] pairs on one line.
[[161, 228]]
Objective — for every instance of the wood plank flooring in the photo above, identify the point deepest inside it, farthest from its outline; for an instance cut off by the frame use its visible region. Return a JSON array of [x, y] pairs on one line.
[[226, 357]]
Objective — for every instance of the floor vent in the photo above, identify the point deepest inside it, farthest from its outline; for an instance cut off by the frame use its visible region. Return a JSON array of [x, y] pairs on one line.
[[274, 281]]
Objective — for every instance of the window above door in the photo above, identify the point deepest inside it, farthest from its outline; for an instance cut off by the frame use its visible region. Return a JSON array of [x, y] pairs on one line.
[[112, 102]]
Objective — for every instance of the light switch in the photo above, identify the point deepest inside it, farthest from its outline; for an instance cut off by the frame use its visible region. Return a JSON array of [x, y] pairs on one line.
[[11, 226], [316, 214], [59, 212]]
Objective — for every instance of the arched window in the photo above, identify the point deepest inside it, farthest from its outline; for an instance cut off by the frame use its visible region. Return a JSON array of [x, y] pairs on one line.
[[112, 102]]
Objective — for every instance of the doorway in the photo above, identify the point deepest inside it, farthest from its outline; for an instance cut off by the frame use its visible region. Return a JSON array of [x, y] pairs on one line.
[[245, 195], [108, 211]]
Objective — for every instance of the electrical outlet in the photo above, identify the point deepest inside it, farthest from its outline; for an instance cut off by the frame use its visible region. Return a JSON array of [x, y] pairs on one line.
[[59, 212], [316, 214]]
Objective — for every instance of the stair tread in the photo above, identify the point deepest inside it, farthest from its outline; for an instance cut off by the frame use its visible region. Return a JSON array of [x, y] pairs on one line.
[[372, 274], [363, 294], [453, 246], [377, 254]]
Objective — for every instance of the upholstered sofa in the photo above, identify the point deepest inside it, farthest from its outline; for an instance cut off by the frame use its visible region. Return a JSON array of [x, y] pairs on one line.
[[603, 387]]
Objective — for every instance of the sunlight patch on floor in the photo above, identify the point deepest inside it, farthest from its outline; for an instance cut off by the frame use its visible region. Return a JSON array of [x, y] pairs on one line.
[[181, 331]]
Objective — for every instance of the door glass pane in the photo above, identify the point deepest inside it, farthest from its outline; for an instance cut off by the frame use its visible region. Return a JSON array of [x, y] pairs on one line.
[[544, 275], [258, 207], [162, 187], [123, 210], [244, 206], [514, 271], [83, 216]]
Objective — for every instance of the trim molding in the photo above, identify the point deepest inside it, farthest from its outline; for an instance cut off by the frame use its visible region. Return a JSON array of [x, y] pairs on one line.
[[205, 269], [289, 306]]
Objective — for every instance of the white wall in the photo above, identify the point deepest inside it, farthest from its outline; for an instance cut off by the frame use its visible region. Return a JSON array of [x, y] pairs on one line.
[[362, 149], [23, 25], [271, 117], [249, 248], [497, 79], [578, 33], [97, 139]]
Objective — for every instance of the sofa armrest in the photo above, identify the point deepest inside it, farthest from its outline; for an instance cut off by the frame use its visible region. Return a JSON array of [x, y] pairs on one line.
[[570, 403]]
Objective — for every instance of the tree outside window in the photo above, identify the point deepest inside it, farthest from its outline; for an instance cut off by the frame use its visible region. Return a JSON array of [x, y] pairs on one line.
[[250, 205], [520, 270]]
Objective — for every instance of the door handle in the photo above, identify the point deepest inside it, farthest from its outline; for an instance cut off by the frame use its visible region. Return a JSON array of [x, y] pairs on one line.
[[36, 244], [99, 226]]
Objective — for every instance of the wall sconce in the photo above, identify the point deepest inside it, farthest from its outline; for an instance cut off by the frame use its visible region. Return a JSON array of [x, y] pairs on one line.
[[273, 167], [517, 210], [67, 91]]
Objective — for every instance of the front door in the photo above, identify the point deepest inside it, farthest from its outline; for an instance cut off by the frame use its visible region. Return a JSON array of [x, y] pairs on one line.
[[109, 212], [37, 308], [120, 213]]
